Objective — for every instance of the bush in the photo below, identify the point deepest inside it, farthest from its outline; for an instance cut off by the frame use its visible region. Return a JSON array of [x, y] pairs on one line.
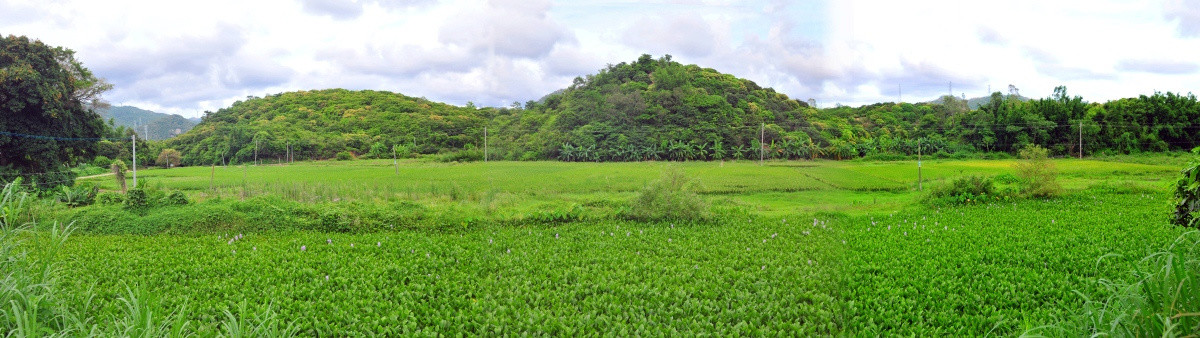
[[465, 155], [668, 198], [102, 161], [344, 156], [176, 198], [77, 196], [1038, 176], [964, 190], [137, 199], [1187, 196], [110, 198]]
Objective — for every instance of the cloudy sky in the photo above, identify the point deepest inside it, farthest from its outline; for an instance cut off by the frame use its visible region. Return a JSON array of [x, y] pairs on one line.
[[186, 57]]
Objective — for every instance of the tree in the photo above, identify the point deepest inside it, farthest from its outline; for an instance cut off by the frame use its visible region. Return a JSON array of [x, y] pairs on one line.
[[42, 92], [168, 158], [1038, 176]]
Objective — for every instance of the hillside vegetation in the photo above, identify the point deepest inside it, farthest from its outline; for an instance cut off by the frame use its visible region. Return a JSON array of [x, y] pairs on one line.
[[148, 124], [659, 109], [319, 124]]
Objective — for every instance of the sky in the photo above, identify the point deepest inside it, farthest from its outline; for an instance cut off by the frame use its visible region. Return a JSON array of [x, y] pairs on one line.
[[187, 57]]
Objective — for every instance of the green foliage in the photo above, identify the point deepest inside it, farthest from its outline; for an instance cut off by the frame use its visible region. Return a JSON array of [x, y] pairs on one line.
[[137, 199], [13, 207], [1039, 177], [110, 198], [344, 156], [102, 161], [176, 198], [1187, 196], [168, 158], [158, 125], [465, 155], [994, 269], [964, 190], [1160, 300], [77, 196], [669, 198], [319, 124], [45, 91]]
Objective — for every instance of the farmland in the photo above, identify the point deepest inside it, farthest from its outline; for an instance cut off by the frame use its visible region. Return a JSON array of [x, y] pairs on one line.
[[790, 248]]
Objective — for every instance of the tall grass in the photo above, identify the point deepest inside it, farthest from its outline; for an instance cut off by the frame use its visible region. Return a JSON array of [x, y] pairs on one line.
[[1162, 299]]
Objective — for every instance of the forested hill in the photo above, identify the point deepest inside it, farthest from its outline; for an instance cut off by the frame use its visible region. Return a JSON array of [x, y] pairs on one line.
[[318, 124], [658, 109], [160, 126]]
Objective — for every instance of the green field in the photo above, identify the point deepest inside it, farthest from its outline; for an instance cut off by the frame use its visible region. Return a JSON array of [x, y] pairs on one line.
[[791, 248]]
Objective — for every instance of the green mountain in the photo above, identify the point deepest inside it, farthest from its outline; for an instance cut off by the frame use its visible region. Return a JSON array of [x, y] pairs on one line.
[[319, 124], [659, 109], [159, 126]]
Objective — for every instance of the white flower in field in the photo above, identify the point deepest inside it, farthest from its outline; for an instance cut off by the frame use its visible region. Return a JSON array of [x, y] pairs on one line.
[[627, 234], [508, 251], [329, 241], [302, 248], [785, 220], [426, 255], [1051, 221], [610, 234], [843, 241], [889, 227], [906, 233], [774, 234], [555, 236], [378, 244], [815, 221], [672, 225], [945, 227], [640, 232], [668, 240], [764, 241], [254, 248], [697, 266], [489, 241], [764, 267], [326, 277], [810, 262], [235, 251]]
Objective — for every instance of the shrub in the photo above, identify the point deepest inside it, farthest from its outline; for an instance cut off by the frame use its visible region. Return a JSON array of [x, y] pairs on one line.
[[110, 198], [1038, 176], [1187, 196], [102, 161], [136, 199], [176, 198], [465, 155], [168, 158], [77, 196], [670, 197], [344, 156], [964, 190]]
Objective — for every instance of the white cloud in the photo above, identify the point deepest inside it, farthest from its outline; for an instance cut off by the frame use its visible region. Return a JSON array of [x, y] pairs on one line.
[[186, 57]]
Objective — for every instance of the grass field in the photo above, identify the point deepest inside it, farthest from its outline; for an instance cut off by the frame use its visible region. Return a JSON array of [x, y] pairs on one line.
[[792, 248]]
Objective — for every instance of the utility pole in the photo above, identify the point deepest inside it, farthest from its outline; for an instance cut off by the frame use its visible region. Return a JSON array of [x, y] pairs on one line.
[[394, 162], [134, 139], [762, 136], [289, 152], [485, 145], [920, 182], [256, 152], [1081, 140]]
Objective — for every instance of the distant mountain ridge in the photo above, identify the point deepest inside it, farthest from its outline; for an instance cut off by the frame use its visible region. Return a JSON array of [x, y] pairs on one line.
[[148, 124]]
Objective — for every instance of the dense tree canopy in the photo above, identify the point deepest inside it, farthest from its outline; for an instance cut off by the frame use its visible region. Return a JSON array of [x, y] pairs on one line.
[[319, 124], [45, 92], [658, 109]]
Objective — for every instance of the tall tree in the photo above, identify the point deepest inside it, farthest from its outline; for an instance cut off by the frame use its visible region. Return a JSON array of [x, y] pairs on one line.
[[45, 92]]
